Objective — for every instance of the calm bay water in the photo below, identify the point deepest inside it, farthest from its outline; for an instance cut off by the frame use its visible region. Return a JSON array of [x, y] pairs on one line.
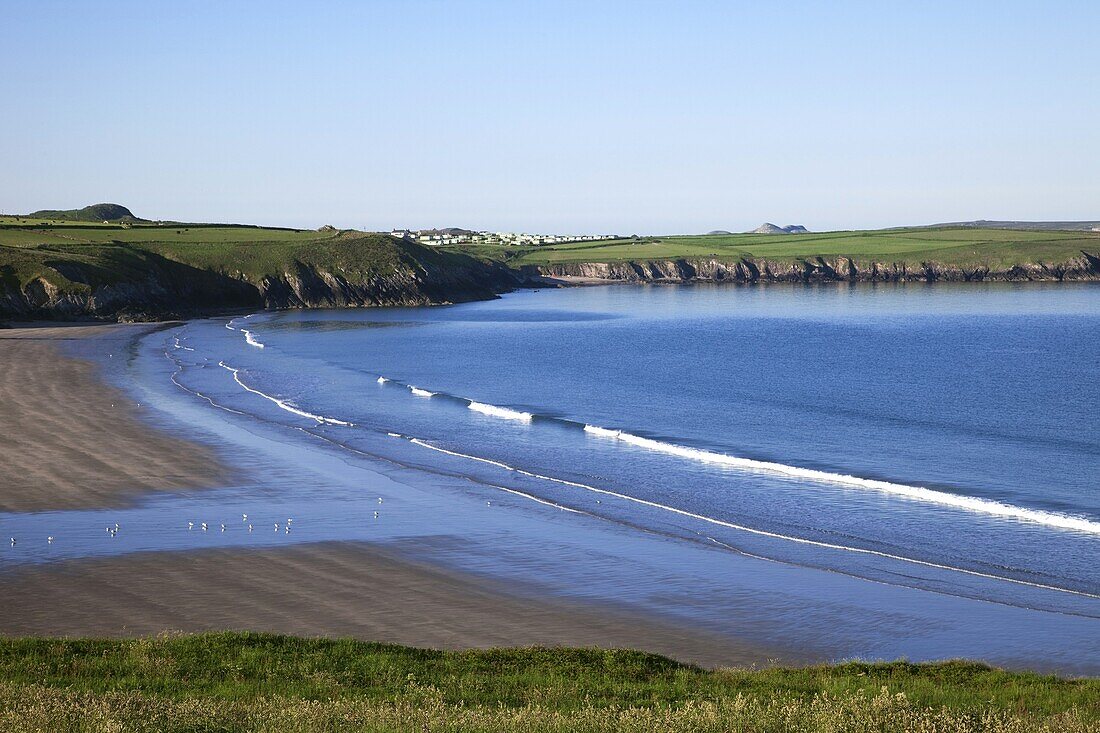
[[928, 457]]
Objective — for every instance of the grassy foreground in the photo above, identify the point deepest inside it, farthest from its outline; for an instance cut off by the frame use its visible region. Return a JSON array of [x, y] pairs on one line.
[[259, 682]]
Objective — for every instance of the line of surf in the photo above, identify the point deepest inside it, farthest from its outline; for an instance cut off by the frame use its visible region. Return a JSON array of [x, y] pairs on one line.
[[743, 528], [283, 404], [963, 502], [918, 493], [483, 408], [502, 412]]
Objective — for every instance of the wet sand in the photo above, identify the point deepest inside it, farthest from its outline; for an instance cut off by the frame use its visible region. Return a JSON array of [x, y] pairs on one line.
[[73, 442], [326, 589]]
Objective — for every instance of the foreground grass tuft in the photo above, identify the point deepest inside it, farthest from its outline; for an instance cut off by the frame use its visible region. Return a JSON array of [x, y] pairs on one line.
[[260, 682]]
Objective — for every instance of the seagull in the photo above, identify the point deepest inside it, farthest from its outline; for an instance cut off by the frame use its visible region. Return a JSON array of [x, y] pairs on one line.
[[276, 526], [49, 540], [223, 528], [244, 517], [116, 526], [376, 515], [190, 525], [13, 542], [289, 521], [250, 528], [204, 526], [488, 503], [380, 500]]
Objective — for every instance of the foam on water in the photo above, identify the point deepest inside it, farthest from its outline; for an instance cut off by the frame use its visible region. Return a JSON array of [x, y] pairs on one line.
[[743, 528], [503, 412], [283, 404], [918, 493], [250, 339], [421, 392]]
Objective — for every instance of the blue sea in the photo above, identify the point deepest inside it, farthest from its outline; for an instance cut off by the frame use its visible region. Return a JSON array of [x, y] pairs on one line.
[[831, 472]]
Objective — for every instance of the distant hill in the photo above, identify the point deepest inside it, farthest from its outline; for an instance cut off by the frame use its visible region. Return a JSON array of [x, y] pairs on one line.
[[446, 232], [717, 232], [1040, 226], [95, 212], [769, 228]]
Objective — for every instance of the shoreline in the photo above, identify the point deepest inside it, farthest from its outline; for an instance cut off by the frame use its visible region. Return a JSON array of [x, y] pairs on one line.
[[82, 443], [581, 275]]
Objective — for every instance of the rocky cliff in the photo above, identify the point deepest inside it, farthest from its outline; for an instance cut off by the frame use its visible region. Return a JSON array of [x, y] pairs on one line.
[[120, 282], [819, 269]]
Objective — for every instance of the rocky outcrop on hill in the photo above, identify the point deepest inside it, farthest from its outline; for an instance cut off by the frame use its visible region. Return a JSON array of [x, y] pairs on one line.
[[819, 269], [769, 228]]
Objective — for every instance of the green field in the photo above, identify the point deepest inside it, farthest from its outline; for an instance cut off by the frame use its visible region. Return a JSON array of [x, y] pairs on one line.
[[255, 251], [235, 681], [114, 253], [994, 248]]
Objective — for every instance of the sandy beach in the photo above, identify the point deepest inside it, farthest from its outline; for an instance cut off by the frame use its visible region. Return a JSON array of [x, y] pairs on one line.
[[324, 589], [74, 442]]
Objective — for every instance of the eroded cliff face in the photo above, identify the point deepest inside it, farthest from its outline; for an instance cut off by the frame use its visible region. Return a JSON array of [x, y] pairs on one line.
[[169, 290], [840, 269], [425, 284]]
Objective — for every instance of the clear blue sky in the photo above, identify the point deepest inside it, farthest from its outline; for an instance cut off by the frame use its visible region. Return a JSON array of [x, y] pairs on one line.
[[554, 116]]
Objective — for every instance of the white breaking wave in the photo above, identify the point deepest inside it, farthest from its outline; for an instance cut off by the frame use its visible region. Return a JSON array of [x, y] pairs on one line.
[[421, 392], [282, 403], [382, 380], [750, 530], [504, 412], [179, 344], [250, 339], [918, 493]]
